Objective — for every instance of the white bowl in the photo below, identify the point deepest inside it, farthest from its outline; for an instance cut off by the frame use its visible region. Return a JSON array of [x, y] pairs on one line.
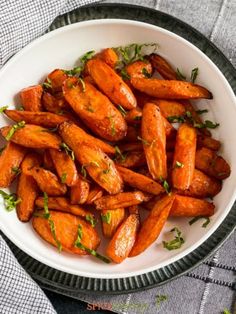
[[61, 49]]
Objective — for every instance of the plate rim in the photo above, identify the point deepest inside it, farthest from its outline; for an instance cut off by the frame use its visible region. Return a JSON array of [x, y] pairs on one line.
[[222, 55]]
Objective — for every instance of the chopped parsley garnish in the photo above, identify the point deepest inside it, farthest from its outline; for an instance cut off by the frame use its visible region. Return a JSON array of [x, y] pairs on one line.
[[210, 125], [63, 177], [90, 108], [194, 75], [74, 71], [92, 252], [91, 219], [124, 74], [82, 83], [180, 76], [106, 171], [143, 140], [204, 225], [10, 200], [16, 170], [83, 171], [51, 130], [160, 298], [138, 118], [226, 311], [122, 110], [14, 128], [106, 217], [68, 150], [146, 73], [119, 154], [201, 111], [2, 109], [179, 164], [87, 56], [112, 123], [165, 185], [176, 119], [47, 83], [94, 163], [176, 243]]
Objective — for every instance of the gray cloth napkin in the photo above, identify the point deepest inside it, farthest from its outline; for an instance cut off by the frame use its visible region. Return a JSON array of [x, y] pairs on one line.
[[210, 287]]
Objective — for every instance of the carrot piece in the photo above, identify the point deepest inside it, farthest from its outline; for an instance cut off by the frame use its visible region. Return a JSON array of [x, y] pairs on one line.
[[111, 219], [95, 193], [66, 229], [165, 89], [52, 104], [111, 84], [79, 192], [213, 165], [120, 200], [139, 69], [100, 167], [74, 136], [123, 240], [133, 116], [63, 204], [95, 109], [132, 159], [154, 141], [202, 186], [184, 157], [152, 226], [33, 136], [57, 78], [46, 119], [185, 206], [140, 181], [47, 181], [47, 161], [10, 160], [31, 160], [162, 67], [208, 142], [65, 167], [170, 108], [109, 56], [31, 98], [142, 98]]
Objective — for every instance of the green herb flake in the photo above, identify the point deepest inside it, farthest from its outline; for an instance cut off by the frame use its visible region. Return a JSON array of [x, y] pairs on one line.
[[50, 130], [166, 186], [21, 108], [2, 109], [176, 119], [63, 177], [143, 140], [90, 108], [146, 73], [204, 225], [82, 83], [179, 164], [91, 219], [194, 74], [160, 299], [74, 71], [124, 74], [83, 171], [68, 150], [112, 123], [226, 311], [180, 76], [87, 56], [201, 111], [210, 125], [122, 110], [48, 83], [14, 128], [10, 200], [119, 155], [106, 217], [92, 252], [16, 170], [176, 243]]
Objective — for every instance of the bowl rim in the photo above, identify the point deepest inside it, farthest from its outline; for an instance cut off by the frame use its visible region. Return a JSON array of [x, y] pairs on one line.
[[84, 24]]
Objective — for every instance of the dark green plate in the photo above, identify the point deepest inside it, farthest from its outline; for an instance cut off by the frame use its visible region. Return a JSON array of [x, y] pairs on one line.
[[68, 284]]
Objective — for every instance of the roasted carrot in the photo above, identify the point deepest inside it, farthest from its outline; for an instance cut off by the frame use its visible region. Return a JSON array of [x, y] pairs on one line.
[[100, 167], [79, 192], [111, 219], [154, 141], [56, 79], [165, 89], [111, 84], [213, 165], [109, 56], [184, 157], [10, 160], [139, 69], [74, 136], [140, 181], [66, 230], [45, 119], [95, 109], [47, 161], [162, 67], [120, 200], [32, 136], [65, 167], [152, 226], [123, 240], [208, 142], [133, 116], [95, 193], [31, 160], [170, 108], [185, 206], [202, 186], [31, 98], [132, 159], [47, 181], [63, 204], [54, 105]]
